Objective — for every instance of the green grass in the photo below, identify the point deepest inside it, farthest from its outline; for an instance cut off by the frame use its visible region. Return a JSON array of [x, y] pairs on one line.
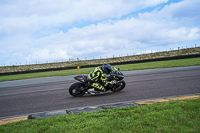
[[174, 116], [137, 66]]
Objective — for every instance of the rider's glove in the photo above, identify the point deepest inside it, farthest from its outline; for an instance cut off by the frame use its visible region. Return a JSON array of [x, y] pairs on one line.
[[108, 78]]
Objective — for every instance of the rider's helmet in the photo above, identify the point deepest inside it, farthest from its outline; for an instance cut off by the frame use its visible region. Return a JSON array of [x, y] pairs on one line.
[[106, 68]]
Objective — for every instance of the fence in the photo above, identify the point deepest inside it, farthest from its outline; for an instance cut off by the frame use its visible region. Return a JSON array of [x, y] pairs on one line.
[[98, 57]]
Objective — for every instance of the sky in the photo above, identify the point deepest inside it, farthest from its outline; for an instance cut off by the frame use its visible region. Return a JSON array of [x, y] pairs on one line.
[[44, 31]]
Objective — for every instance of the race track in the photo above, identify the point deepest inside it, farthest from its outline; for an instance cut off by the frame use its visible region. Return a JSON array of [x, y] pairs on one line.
[[51, 93]]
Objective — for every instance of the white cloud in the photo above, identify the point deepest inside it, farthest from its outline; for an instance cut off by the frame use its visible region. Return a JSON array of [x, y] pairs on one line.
[[30, 16], [43, 30]]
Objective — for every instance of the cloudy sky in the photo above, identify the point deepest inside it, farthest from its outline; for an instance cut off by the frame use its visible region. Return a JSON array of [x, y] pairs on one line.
[[49, 30]]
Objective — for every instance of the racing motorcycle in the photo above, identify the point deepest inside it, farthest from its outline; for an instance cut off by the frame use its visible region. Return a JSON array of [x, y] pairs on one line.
[[82, 87]]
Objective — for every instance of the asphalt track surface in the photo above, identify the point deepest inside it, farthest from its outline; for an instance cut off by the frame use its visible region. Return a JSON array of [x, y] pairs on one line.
[[51, 93]]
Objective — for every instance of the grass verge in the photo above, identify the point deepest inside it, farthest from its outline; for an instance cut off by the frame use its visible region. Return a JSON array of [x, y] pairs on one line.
[[174, 116], [137, 66]]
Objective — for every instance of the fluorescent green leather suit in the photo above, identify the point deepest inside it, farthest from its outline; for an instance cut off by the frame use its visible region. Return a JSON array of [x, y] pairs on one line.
[[97, 79]]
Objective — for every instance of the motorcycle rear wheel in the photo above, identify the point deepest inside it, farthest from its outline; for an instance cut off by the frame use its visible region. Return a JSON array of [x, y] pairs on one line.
[[76, 89]]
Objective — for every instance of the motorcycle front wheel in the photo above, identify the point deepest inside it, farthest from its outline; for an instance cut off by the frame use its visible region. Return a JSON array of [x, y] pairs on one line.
[[119, 86], [76, 89]]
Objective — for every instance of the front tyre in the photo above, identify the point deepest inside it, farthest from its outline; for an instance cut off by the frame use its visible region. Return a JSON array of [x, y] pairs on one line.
[[76, 89], [119, 86]]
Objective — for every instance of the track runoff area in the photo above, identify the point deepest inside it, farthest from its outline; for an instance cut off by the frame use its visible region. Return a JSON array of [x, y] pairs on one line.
[[95, 108]]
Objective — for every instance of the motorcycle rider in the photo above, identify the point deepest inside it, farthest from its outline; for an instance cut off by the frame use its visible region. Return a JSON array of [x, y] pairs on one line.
[[97, 78]]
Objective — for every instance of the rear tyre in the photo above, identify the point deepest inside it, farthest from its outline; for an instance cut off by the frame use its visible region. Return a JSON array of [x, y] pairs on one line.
[[76, 89], [119, 86]]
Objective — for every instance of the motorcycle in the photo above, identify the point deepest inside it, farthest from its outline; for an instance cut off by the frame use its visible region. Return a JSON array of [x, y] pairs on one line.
[[80, 88]]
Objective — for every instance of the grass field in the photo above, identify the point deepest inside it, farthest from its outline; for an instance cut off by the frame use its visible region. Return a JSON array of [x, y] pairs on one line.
[[137, 66], [171, 117]]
